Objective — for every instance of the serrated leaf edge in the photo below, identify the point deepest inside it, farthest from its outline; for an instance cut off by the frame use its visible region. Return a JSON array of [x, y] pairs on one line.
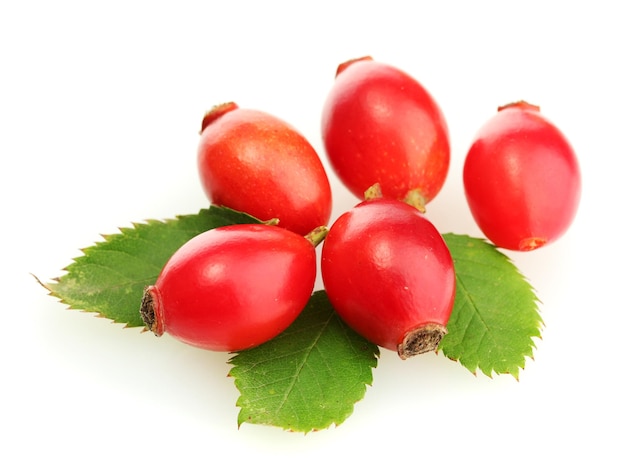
[[540, 325], [333, 423]]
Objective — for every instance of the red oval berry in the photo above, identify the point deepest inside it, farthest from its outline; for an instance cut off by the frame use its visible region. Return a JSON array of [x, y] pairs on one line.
[[380, 125], [389, 275], [233, 287], [522, 179], [256, 163]]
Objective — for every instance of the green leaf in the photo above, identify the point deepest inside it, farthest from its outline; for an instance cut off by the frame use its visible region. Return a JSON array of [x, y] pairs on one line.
[[110, 276], [495, 315], [308, 377]]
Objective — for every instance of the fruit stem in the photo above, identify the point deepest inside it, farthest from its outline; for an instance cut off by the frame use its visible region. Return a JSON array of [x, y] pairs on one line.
[[421, 340], [317, 235], [216, 112]]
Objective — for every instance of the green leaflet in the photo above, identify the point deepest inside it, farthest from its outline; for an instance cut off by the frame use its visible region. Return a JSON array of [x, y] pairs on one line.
[[307, 378], [495, 316], [110, 277]]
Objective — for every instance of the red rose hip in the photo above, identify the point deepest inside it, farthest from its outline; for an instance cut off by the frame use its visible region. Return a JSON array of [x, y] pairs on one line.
[[254, 162], [390, 276], [380, 125], [233, 287], [522, 179]]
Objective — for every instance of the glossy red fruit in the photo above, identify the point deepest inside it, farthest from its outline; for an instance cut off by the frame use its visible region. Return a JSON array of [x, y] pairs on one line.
[[233, 287], [390, 276], [522, 179], [380, 125], [256, 163]]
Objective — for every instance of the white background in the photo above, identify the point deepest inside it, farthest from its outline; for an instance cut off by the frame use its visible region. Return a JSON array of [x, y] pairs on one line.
[[100, 107]]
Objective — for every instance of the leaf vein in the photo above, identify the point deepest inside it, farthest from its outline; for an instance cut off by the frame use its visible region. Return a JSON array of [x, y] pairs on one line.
[[308, 350]]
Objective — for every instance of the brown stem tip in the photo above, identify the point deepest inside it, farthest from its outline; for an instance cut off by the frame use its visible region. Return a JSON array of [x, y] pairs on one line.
[[423, 339], [216, 112], [521, 104], [348, 63]]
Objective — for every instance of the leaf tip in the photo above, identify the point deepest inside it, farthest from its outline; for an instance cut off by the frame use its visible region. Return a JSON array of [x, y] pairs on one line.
[[40, 282], [515, 373]]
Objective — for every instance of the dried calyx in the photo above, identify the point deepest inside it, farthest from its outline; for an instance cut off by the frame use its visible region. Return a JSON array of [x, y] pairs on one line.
[[149, 315], [413, 197], [421, 340]]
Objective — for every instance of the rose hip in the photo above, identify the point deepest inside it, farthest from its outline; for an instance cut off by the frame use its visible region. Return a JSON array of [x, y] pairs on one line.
[[256, 163], [233, 287], [390, 275], [380, 125], [522, 179]]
